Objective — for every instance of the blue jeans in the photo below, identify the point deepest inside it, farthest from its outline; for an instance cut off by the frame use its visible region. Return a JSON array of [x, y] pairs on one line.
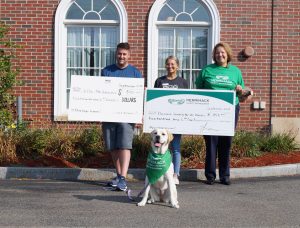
[[175, 146]]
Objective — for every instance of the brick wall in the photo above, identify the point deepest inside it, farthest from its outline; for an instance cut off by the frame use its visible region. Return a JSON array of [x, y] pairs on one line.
[[31, 25], [250, 24], [242, 24]]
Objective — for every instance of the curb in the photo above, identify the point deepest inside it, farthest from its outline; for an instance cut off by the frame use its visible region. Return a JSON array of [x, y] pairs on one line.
[[74, 174]]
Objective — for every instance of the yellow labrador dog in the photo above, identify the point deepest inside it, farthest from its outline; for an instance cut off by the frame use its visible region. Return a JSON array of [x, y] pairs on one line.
[[159, 171]]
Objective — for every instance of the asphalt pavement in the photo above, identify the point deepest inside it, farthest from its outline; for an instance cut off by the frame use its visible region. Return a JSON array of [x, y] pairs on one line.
[[258, 197], [251, 202]]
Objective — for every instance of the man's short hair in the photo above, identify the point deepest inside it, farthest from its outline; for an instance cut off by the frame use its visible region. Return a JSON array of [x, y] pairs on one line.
[[125, 46]]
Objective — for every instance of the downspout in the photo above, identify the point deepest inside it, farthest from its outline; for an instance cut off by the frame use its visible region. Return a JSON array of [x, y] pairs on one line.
[[271, 68], [19, 110]]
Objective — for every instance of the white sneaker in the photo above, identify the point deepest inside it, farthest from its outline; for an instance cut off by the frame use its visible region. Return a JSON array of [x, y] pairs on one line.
[[176, 180]]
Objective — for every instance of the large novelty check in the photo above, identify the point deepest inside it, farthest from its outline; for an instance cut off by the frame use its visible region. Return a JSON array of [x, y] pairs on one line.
[[195, 112], [106, 99]]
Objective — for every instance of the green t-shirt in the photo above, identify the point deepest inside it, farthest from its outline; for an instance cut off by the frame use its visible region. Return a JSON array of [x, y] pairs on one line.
[[217, 77]]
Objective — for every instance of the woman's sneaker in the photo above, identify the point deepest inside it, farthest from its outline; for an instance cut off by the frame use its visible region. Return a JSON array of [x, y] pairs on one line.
[[122, 185], [176, 180], [113, 182]]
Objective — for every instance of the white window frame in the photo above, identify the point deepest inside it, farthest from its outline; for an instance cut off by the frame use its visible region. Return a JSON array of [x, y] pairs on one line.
[[60, 50], [154, 25]]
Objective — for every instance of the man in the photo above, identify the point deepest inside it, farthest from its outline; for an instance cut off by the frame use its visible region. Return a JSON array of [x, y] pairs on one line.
[[118, 136]]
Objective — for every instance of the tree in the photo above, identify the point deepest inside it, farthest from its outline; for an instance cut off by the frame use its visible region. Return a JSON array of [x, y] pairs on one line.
[[8, 74]]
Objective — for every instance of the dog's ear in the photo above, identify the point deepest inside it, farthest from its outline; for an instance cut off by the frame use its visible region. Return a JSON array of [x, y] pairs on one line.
[[170, 136], [153, 132]]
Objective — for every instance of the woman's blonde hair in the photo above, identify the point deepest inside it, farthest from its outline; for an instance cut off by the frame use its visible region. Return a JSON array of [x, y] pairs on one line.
[[226, 47], [173, 58]]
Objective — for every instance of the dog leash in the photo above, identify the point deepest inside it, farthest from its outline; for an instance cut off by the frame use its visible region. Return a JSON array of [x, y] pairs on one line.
[[128, 192], [130, 196]]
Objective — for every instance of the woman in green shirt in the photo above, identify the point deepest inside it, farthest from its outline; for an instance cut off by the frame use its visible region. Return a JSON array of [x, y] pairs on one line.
[[220, 75]]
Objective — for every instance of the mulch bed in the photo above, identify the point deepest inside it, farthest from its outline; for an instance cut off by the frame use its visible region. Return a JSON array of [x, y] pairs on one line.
[[266, 159], [104, 161]]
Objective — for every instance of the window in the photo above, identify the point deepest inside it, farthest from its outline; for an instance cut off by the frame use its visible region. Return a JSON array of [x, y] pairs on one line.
[[87, 33], [187, 29], [89, 49]]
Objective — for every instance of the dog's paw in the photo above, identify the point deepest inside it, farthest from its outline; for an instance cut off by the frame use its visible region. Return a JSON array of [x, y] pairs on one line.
[[150, 201], [141, 204]]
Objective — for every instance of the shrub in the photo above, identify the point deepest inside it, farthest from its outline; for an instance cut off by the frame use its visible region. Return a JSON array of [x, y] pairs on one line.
[[8, 75], [62, 144], [283, 143], [7, 147], [193, 146], [90, 141], [79, 144], [246, 144], [141, 146], [32, 143]]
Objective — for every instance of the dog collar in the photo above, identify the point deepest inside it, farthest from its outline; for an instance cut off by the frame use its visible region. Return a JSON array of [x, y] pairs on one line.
[[157, 165]]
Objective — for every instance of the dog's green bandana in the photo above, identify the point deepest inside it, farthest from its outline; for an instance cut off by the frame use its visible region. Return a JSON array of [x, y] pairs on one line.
[[157, 165]]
